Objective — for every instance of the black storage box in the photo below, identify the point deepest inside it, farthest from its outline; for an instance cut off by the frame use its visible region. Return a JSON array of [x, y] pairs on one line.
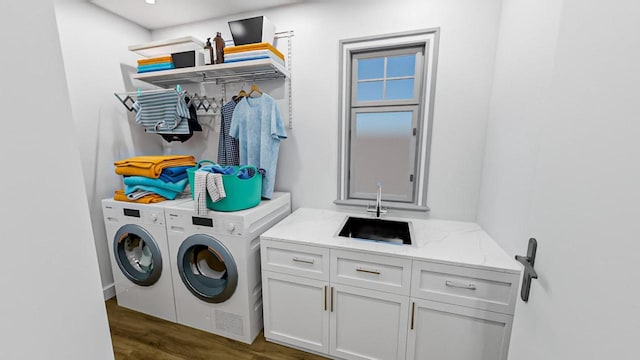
[[252, 30], [184, 59]]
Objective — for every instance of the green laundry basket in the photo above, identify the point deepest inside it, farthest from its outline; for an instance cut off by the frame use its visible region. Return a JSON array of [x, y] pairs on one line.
[[241, 193]]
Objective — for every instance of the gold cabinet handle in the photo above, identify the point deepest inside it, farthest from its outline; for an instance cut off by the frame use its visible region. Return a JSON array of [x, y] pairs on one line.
[[325, 298], [413, 313], [332, 299], [376, 272]]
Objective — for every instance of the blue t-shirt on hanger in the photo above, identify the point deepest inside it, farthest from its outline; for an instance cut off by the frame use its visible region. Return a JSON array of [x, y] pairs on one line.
[[258, 126]]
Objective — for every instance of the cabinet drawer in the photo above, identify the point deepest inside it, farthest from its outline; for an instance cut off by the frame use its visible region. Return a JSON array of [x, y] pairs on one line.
[[300, 260], [371, 271], [480, 289]]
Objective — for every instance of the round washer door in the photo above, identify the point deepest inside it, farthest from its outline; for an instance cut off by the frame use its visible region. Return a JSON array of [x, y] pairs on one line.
[[207, 268], [137, 255]]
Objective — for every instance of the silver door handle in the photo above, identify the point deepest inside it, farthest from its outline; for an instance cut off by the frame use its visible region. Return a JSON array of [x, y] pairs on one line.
[[459, 285], [306, 261]]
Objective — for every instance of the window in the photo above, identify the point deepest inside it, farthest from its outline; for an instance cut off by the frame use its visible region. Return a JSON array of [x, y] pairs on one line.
[[385, 118]]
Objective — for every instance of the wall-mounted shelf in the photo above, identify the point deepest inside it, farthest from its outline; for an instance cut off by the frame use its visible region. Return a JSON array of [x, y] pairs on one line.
[[166, 47], [219, 73], [243, 71]]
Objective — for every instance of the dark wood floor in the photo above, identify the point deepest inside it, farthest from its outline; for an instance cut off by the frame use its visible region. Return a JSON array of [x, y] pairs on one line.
[[142, 337]]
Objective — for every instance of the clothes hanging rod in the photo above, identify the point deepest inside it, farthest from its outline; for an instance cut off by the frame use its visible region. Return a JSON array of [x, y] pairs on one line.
[[150, 91], [202, 77]]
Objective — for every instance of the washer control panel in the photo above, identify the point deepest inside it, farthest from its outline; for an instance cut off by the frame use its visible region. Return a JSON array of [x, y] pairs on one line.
[[153, 218], [233, 228]]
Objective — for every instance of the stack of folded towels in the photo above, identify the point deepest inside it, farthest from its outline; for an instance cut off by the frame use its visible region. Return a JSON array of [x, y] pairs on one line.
[[151, 179], [253, 52], [155, 64]]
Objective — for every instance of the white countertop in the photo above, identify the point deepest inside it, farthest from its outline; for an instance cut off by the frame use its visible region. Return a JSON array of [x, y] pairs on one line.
[[450, 242]]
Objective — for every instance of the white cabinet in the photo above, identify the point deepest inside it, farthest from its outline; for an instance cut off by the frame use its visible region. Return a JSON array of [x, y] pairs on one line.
[[460, 313], [352, 305], [440, 331], [310, 303], [296, 311], [368, 324], [476, 288], [300, 260], [384, 273]]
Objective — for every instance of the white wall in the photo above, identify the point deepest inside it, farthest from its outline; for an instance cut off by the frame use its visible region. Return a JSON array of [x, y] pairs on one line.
[[308, 159], [51, 305], [524, 65], [94, 45], [582, 176]]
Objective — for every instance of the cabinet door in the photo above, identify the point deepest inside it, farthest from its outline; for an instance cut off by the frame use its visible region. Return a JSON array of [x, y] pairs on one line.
[[296, 311], [367, 324], [439, 331]]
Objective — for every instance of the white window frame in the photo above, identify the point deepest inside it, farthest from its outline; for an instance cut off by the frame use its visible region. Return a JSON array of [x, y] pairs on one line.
[[428, 39]]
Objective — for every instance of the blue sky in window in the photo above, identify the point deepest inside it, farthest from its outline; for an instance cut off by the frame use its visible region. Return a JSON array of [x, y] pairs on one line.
[[397, 66], [399, 89], [404, 65], [371, 90], [370, 68]]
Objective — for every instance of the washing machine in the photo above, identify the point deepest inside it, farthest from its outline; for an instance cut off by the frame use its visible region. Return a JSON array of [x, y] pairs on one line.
[[216, 266], [139, 252]]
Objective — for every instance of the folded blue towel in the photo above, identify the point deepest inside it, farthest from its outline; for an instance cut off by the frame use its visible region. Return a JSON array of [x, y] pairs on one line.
[[176, 170], [177, 187], [173, 178], [149, 68], [165, 65], [174, 174], [128, 189]]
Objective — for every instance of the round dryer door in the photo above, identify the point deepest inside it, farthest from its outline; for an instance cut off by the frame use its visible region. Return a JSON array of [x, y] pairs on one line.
[[137, 255], [207, 268]]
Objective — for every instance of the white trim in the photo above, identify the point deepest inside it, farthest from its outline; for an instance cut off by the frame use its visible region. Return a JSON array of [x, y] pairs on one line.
[[427, 38], [109, 291], [428, 105]]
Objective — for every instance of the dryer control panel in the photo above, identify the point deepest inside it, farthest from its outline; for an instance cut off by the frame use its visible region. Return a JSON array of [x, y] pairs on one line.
[[145, 217]]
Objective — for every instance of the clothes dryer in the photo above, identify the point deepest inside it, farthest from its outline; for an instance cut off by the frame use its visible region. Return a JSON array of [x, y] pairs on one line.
[[216, 266], [139, 253]]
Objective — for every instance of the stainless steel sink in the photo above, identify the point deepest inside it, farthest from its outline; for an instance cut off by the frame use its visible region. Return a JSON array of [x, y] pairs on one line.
[[396, 232]]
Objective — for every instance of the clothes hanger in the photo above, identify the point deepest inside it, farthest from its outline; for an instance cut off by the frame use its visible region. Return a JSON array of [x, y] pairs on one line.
[[254, 88], [242, 93]]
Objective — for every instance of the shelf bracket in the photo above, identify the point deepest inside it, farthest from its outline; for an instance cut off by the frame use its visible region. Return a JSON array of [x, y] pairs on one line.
[[289, 36], [529, 273]]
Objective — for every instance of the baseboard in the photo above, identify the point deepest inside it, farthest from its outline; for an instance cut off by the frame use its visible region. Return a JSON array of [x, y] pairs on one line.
[[109, 291]]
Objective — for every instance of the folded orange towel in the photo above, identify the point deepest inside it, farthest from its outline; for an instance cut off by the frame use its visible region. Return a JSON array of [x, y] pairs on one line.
[[155, 60], [249, 47], [151, 166], [120, 196]]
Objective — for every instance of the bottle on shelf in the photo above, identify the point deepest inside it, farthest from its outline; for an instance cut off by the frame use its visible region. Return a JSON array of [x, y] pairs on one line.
[[219, 41], [209, 57]]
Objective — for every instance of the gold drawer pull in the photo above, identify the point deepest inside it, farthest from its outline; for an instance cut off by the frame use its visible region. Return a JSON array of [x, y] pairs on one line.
[[413, 313], [458, 285], [376, 272], [325, 298], [332, 299], [306, 261]]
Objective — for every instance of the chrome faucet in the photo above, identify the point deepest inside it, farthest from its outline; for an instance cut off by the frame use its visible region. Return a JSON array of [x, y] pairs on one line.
[[378, 209]]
